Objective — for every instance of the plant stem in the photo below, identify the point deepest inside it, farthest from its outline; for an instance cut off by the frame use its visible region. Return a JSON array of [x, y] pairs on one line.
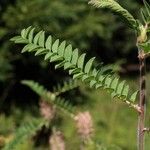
[[142, 101]]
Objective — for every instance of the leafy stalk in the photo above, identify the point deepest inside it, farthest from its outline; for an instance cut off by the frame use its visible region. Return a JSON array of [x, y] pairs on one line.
[[115, 7], [25, 131], [50, 97], [64, 56]]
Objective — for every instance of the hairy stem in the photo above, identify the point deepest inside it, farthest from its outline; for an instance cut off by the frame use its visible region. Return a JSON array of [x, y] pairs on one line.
[[142, 101]]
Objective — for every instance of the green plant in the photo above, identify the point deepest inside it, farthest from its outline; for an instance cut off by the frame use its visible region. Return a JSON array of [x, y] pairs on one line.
[[53, 97], [68, 58], [24, 132], [142, 32], [30, 128]]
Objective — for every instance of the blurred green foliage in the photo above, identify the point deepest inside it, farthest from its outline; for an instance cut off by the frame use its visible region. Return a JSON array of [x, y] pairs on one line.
[[75, 21], [100, 33]]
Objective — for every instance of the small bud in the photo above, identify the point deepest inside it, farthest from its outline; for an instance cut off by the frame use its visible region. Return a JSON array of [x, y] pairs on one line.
[[56, 141], [143, 34], [84, 125], [47, 110]]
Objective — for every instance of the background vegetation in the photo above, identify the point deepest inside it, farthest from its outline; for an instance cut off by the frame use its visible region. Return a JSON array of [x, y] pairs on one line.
[[97, 32]]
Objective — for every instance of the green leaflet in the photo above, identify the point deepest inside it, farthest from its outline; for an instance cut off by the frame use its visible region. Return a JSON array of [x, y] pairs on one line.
[[87, 78], [33, 48], [68, 53], [48, 43], [55, 58], [36, 38], [74, 71], [68, 65], [78, 75], [113, 94], [15, 38], [41, 40], [75, 56], [108, 81], [19, 39], [114, 83], [55, 46], [145, 13], [120, 88], [27, 31], [98, 85], [93, 83], [125, 91], [23, 33], [23, 41], [29, 47], [26, 48], [40, 51], [147, 6], [30, 37], [144, 17], [145, 46], [133, 96], [95, 72], [49, 55], [61, 48], [89, 65], [81, 61], [60, 65], [101, 78]]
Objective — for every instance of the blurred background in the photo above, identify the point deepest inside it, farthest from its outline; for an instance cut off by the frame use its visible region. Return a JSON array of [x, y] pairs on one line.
[[98, 33]]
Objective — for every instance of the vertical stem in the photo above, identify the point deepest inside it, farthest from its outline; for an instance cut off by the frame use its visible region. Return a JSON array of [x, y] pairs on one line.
[[142, 102]]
